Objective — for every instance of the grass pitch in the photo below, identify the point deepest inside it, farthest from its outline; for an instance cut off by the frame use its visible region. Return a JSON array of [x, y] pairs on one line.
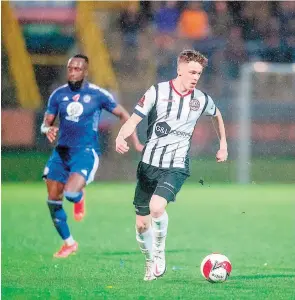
[[253, 226]]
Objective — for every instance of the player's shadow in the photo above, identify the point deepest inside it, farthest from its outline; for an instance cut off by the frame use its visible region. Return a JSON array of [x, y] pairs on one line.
[[261, 276]]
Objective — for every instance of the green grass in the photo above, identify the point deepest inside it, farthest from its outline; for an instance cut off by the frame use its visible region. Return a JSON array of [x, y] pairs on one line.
[[253, 226], [22, 166]]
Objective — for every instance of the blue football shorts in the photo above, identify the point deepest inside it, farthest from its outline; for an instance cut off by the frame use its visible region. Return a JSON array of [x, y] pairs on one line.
[[65, 161]]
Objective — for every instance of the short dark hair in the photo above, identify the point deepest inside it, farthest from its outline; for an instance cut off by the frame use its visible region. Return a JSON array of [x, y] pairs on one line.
[[82, 56], [192, 55]]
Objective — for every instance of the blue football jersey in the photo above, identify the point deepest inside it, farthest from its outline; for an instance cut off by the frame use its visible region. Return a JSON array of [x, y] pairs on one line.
[[79, 113]]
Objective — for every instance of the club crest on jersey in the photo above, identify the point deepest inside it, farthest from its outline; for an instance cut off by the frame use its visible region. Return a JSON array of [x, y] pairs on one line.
[[141, 101], [74, 111], [86, 98], [194, 104], [76, 97]]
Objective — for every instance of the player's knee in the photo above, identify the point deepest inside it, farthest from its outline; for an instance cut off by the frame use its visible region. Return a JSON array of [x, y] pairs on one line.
[[157, 206], [55, 195], [73, 196], [55, 190]]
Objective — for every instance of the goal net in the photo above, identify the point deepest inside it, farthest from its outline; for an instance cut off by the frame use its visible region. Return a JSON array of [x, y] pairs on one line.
[[265, 114]]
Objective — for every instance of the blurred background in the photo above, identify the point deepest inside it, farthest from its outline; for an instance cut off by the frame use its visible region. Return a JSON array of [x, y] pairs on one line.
[[134, 44]]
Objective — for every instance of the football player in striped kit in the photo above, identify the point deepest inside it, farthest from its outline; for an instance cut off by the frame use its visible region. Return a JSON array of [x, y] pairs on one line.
[[173, 109]]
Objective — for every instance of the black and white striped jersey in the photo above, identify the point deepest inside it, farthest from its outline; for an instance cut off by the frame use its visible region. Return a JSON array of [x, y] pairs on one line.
[[171, 121]]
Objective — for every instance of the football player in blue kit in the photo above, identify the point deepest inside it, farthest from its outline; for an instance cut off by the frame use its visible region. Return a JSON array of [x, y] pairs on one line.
[[75, 159]]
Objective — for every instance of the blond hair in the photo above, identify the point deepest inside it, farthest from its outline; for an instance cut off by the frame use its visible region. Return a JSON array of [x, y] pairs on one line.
[[192, 55]]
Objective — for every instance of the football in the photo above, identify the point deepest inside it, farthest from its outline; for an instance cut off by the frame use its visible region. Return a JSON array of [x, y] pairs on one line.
[[216, 267]]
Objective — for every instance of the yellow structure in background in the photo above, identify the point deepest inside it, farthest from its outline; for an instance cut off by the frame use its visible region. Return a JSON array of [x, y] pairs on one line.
[[19, 60], [89, 35], [92, 42], [111, 5], [49, 60]]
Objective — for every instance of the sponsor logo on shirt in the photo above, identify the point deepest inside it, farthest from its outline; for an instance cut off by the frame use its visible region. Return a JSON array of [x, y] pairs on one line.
[[163, 129], [74, 111]]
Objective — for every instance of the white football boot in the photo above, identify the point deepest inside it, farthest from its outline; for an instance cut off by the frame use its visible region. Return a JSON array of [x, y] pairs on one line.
[[159, 266], [149, 275]]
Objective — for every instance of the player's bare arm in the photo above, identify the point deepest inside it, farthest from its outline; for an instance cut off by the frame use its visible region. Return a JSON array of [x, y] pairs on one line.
[[124, 116], [221, 154], [126, 130], [48, 129]]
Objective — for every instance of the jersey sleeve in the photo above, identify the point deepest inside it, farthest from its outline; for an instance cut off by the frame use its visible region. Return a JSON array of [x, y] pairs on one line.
[[210, 109], [52, 106], [146, 102], [108, 101]]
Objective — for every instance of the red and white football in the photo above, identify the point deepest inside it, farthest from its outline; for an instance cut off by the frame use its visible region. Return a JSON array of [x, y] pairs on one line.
[[216, 267]]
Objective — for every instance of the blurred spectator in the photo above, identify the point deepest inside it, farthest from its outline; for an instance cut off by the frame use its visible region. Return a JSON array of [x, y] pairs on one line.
[[194, 23], [235, 54], [146, 11], [166, 59], [221, 19], [228, 33], [235, 9], [166, 69], [263, 20], [130, 23], [272, 51], [166, 18], [253, 27], [286, 14], [276, 48], [247, 22]]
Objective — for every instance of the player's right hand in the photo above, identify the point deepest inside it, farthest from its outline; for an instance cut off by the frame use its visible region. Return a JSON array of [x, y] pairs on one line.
[[51, 134], [121, 145], [221, 155]]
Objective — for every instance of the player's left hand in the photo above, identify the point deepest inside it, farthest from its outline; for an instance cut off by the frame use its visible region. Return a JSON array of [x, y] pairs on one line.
[[138, 147], [221, 155], [121, 145]]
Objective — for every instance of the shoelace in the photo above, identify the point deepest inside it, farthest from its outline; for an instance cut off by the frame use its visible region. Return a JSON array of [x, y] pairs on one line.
[[158, 253], [63, 248], [148, 267], [159, 259]]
